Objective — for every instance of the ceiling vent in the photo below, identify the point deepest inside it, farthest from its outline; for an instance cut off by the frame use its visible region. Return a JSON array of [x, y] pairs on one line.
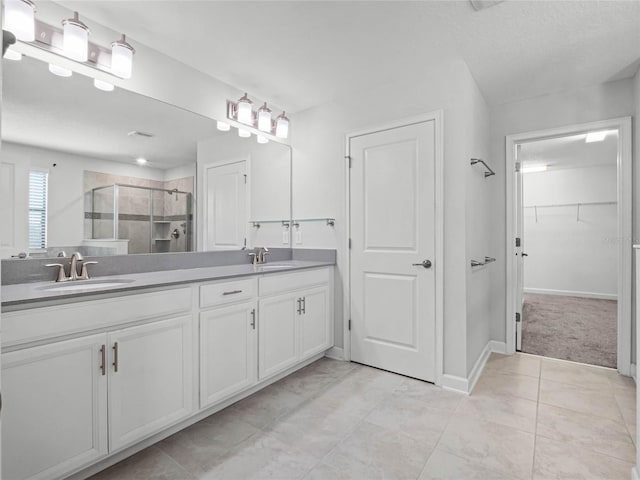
[[482, 4], [135, 133]]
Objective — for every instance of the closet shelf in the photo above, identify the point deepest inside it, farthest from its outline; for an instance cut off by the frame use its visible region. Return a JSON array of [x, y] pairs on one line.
[[577, 205]]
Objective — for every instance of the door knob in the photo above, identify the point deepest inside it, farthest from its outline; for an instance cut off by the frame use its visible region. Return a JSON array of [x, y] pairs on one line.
[[524, 254], [425, 264]]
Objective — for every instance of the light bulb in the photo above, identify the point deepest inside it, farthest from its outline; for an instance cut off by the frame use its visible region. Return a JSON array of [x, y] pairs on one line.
[[264, 118], [282, 126], [245, 115], [76, 39], [122, 58], [19, 19], [244, 133], [222, 126], [262, 139], [13, 55], [60, 71], [102, 85]]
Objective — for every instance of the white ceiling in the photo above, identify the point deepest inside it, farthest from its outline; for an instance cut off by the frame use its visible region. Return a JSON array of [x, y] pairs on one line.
[[300, 54], [570, 152], [43, 110]]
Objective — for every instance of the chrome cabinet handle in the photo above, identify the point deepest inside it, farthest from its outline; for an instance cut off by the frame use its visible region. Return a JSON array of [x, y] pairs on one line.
[[424, 264], [115, 357], [253, 318], [232, 292], [299, 306], [304, 305], [103, 363]]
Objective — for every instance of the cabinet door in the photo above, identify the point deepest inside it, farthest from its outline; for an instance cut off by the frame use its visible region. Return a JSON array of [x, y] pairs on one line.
[[228, 362], [54, 413], [278, 331], [315, 322], [150, 380]]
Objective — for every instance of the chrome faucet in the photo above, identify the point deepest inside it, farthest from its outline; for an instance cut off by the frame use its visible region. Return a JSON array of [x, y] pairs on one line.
[[73, 269], [259, 257]]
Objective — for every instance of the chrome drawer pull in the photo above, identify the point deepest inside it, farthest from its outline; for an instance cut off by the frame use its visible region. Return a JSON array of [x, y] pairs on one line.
[[232, 292]]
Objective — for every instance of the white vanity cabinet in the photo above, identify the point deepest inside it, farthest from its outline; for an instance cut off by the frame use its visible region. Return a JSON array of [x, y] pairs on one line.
[[295, 325], [54, 415]]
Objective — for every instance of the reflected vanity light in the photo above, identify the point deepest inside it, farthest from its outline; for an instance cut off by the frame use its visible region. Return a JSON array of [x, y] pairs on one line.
[[241, 112], [262, 139], [13, 55], [597, 136], [59, 71], [222, 126], [102, 85], [141, 161], [122, 58], [534, 168], [19, 18], [76, 39], [244, 133]]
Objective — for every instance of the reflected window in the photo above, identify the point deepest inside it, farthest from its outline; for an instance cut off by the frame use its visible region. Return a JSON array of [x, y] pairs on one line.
[[38, 180]]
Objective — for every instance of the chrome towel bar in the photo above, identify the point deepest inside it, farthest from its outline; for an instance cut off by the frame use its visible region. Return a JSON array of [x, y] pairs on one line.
[[475, 263], [486, 174]]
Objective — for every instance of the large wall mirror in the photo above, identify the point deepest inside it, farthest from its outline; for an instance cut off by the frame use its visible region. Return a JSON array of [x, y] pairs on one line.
[[71, 178]]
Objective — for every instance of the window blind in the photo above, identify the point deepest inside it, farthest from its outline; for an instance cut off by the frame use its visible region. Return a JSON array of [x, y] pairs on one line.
[[38, 209]]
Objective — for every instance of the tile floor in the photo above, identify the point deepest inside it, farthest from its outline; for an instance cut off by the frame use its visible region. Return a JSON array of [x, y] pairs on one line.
[[528, 418]]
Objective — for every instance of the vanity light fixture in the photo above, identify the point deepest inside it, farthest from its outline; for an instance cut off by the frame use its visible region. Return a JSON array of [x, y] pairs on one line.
[[262, 139], [19, 18], [76, 39], [102, 85], [244, 133], [222, 126], [59, 71], [282, 126], [122, 58], [244, 114], [241, 112], [264, 118]]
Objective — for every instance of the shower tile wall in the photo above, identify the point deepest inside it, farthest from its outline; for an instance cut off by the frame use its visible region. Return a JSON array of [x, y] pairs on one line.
[[134, 208]]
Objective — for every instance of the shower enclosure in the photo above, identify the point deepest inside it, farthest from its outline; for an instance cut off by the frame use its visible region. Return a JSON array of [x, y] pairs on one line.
[[154, 220]]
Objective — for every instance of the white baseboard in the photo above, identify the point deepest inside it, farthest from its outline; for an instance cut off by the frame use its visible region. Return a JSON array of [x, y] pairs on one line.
[[336, 353], [632, 372], [465, 385], [634, 473], [569, 293]]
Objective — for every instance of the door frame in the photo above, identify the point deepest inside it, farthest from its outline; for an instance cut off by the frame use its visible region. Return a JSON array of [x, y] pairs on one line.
[[624, 226], [201, 195], [437, 117]]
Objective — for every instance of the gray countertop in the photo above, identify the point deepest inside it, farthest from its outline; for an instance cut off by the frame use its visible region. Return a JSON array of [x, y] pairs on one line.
[[25, 295]]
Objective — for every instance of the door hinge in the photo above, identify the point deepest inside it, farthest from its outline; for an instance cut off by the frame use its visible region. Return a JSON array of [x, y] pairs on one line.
[[349, 243], [245, 178], [349, 325], [517, 167], [348, 157], [517, 241], [517, 317]]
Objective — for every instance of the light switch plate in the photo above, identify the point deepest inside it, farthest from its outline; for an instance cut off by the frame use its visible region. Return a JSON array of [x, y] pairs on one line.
[[285, 236], [298, 236]]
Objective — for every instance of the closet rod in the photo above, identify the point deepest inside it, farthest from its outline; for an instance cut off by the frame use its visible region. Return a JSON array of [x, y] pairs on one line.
[[479, 160]]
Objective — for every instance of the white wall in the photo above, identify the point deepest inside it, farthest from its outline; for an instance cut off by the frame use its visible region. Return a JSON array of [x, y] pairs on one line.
[[320, 182], [589, 104], [566, 255], [66, 191]]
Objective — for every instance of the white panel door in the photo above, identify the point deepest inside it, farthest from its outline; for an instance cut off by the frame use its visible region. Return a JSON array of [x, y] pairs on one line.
[[228, 362], [315, 322], [278, 332], [150, 380], [393, 247], [54, 412], [226, 213], [520, 254]]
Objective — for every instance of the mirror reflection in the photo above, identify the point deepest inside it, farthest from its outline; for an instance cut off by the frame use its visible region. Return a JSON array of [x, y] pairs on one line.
[[115, 172]]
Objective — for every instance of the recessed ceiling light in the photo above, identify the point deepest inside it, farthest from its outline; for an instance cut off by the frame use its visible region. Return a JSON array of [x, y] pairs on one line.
[[534, 168], [223, 126], [60, 71], [141, 160], [13, 55], [102, 85]]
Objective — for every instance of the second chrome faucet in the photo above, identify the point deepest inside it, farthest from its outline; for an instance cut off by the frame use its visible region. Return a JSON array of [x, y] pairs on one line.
[[73, 269]]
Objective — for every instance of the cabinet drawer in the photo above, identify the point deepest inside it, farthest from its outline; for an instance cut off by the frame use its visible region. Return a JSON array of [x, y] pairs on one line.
[[38, 324], [285, 282], [228, 292]]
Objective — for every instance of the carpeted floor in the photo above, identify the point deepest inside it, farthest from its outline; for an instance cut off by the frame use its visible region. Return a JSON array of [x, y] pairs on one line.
[[570, 328]]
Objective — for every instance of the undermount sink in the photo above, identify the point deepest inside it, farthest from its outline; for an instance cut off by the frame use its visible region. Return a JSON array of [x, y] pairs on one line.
[[80, 285], [274, 266]]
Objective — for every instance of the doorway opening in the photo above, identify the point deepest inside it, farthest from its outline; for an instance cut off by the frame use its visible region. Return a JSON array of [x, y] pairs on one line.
[[569, 225]]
